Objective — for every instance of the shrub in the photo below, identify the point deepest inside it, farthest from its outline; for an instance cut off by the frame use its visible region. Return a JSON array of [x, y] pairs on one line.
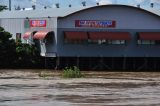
[[27, 56], [72, 72]]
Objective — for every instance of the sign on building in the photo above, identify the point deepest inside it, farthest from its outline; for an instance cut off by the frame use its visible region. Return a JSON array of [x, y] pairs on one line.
[[95, 23], [38, 23], [26, 24]]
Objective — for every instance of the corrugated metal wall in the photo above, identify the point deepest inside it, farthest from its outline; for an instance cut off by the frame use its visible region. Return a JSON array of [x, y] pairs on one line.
[[17, 26], [127, 20], [13, 26]]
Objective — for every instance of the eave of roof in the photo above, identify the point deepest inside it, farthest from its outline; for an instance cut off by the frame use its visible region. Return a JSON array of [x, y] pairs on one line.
[[149, 10]]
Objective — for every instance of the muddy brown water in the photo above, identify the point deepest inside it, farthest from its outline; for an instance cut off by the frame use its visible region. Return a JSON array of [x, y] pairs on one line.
[[26, 88]]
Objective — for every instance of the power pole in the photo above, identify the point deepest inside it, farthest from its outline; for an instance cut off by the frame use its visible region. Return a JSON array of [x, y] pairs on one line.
[[9, 5]]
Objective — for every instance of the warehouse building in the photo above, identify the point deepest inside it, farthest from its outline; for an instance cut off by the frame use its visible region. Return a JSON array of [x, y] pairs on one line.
[[101, 37]]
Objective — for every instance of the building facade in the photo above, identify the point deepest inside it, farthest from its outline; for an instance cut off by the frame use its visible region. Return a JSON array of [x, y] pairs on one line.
[[105, 33]]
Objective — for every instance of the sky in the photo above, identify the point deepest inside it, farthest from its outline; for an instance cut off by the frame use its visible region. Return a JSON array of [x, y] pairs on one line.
[[75, 3]]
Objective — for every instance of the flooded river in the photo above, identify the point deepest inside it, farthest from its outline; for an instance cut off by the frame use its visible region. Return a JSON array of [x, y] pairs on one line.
[[26, 88]]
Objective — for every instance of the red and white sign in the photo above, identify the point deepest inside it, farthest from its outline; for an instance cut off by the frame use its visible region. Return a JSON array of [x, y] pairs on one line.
[[38, 23], [95, 23]]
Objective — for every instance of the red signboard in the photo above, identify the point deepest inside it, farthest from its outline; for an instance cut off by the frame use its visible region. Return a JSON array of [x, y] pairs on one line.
[[38, 23], [95, 23]]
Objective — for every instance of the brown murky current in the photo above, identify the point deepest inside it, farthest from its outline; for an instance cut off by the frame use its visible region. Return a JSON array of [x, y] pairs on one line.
[[26, 88]]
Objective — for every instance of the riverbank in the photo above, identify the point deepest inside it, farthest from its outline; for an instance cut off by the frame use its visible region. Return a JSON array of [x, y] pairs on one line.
[[27, 88], [35, 73]]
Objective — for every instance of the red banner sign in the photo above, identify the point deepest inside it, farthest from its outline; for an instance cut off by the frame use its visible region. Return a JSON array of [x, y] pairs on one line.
[[38, 23], [95, 23]]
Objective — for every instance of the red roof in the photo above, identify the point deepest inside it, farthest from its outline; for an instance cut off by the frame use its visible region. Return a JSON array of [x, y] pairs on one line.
[[149, 35], [109, 36], [40, 34], [27, 35], [74, 35]]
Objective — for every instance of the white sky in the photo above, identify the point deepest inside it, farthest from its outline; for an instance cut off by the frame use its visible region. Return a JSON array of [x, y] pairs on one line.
[[75, 3]]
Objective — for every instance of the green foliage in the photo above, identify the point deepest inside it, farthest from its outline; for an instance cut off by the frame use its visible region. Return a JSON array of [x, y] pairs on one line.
[[16, 54], [72, 72], [1, 29], [7, 49], [3, 8], [27, 55]]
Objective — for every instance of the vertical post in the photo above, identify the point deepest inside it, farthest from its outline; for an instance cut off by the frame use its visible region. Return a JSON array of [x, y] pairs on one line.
[[90, 66], [124, 63], [146, 62], [112, 63], [101, 62], [134, 65], [155, 64], [67, 61], [78, 61], [10, 5], [57, 63], [45, 62]]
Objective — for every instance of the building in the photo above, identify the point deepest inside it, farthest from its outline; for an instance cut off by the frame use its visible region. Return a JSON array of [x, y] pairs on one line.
[[107, 37]]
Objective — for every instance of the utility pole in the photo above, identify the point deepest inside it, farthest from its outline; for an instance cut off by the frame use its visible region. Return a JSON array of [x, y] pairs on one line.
[[9, 5]]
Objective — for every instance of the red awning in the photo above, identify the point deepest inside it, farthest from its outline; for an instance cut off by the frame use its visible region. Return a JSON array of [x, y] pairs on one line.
[[109, 36], [27, 35], [149, 35], [73, 35], [41, 34]]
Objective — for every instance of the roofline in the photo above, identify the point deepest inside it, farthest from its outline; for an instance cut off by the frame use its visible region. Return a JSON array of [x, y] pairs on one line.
[[111, 5]]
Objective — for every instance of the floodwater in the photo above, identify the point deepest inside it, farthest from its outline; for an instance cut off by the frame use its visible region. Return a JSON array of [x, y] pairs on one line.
[[26, 88]]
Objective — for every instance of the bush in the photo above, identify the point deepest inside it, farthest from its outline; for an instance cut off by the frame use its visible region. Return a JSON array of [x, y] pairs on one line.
[[71, 72], [16, 54], [7, 49], [27, 56]]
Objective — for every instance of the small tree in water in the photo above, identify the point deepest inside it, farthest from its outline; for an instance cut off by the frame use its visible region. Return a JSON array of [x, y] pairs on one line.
[[72, 72]]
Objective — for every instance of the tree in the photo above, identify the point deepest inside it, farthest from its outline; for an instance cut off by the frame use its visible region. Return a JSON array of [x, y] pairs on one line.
[[16, 54], [7, 49], [3, 8], [7, 46], [27, 56]]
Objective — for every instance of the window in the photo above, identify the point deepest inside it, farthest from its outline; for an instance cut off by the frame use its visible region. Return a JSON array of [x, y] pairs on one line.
[[18, 37], [146, 42], [99, 42], [67, 41], [117, 42], [108, 42]]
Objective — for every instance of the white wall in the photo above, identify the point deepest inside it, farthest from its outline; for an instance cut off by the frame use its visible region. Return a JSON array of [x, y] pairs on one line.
[[17, 26], [13, 26]]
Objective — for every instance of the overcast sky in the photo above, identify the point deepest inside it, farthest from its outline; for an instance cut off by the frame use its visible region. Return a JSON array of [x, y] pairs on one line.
[[75, 3]]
